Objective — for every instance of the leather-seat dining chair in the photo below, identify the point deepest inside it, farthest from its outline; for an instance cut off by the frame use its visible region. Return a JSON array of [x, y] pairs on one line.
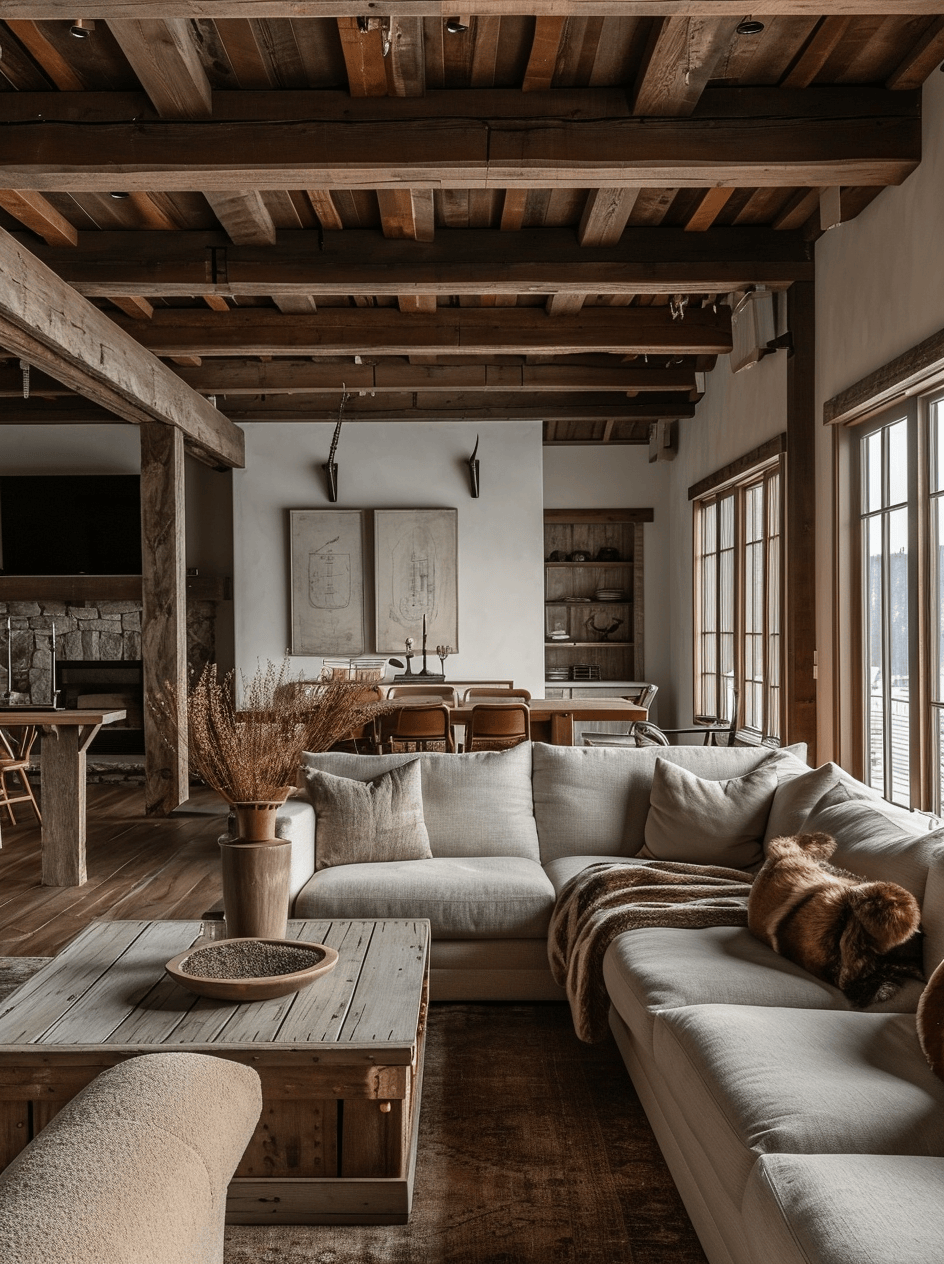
[[422, 728], [498, 726]]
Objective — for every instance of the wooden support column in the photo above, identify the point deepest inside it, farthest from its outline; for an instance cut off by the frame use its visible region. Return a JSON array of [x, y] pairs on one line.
[[800, 520], [163, 616]]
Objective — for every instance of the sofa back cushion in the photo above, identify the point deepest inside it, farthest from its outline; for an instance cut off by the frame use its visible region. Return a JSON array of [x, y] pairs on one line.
[[594, 800], [473, 805]]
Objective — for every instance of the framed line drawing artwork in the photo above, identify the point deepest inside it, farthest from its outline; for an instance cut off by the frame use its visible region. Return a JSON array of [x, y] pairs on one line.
[[327, 570], [416, 574]]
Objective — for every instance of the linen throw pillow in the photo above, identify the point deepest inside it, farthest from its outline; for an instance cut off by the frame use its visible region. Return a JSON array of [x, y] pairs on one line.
[[363, 821], [708, 822]]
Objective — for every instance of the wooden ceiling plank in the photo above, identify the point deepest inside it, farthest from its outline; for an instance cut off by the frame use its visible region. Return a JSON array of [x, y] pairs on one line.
[[468, 331], [294, 303], [215, 302], [364, 59], [407, 213], [476, 262], [920, 61], [605, 216], [678, 62], [539, 74], [58, 10], [709, 207], [406, 61], [252, 68], [44, 321], [152, 214], [19, 70], [325, 209], [243, 215], [188, 362], [798, 210], [485, 51], [162, 54], [513, 210], [565, 304], [548, 155], [816, 52], [50, 59], [416, 302], [134, 306], [39, 216]]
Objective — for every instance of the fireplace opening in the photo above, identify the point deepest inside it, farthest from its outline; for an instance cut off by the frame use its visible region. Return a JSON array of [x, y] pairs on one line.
[[106, 684]]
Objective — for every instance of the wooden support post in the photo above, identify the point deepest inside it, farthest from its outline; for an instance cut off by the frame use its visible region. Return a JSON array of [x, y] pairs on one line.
[[163, 617], [800, 505], [63, 787]]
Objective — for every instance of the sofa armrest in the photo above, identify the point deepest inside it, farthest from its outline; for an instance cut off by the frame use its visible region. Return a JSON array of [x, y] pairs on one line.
[[135, 1167], [296, 821]]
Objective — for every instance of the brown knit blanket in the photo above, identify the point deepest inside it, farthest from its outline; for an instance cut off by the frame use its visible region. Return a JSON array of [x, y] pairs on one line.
[[603, 900]]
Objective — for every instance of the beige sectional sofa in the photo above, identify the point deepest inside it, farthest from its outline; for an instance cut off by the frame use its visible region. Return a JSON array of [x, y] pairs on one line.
[[796, 1128], [134, 1170]]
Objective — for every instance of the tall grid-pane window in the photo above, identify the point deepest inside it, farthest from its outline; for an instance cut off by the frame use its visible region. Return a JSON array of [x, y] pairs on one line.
[[936, 603], [887, 608], [738, 561]]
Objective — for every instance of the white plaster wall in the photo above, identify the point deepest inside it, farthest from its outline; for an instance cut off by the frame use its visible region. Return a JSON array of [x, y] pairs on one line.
[[738, 413], [879, 291], [85, 449], [598, 477], [381, 466]]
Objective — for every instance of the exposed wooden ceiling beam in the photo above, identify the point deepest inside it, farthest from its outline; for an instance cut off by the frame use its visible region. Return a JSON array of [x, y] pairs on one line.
[[44, 321], [60, 10], [464, 261], [679, 59], [46, 54], [40, 216], [709, 207], [297, 377], [455, 405], [472, 331], [879, 148], [912, 70], [605, 215], [163, 56], [244, 215], [539, 72], [363, 58], [814, 54]]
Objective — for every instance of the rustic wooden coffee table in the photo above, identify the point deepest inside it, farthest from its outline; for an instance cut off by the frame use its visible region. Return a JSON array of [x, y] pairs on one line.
[[341, 1061]]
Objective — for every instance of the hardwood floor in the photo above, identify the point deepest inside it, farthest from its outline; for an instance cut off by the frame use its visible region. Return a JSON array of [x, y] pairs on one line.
[[138, 866]]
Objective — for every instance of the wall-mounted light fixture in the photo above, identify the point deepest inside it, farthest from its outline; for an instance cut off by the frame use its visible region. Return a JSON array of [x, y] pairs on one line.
[[82, 28], [455, 26], [330, 467], [474, 471], [750, 26]]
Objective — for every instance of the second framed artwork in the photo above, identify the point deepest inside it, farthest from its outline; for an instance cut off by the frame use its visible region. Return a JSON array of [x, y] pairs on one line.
[[415, 575]]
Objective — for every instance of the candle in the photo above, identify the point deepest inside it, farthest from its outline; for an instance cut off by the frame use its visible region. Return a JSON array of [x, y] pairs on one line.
[[9, 659], [52, 685]]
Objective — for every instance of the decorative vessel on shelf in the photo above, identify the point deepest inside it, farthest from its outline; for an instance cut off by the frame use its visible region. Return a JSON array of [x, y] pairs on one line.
[[251, 969]]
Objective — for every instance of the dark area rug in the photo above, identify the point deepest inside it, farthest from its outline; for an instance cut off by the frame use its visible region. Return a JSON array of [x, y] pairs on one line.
[[533, 1149]]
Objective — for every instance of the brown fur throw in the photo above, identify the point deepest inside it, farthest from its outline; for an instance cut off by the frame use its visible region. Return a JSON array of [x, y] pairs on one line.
[[605, 899], [862, 937], [930, 1020]]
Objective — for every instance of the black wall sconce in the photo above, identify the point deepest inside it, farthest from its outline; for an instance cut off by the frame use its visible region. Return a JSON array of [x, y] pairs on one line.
[[330, 466], [474, 471]]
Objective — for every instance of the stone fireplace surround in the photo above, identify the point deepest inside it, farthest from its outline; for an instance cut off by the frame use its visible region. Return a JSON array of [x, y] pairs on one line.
[[101, 631]]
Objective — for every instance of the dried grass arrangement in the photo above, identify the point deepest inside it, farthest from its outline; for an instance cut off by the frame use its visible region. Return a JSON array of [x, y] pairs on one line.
[[251, 753]]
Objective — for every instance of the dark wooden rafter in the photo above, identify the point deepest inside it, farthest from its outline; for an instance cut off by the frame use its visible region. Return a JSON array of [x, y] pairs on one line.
[[45, 322], [680, 58], [878, 147], [59, 10], [464, 261], [468, 331]]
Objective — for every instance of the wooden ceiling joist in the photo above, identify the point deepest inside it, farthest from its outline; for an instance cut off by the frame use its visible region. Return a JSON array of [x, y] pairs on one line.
[[881, 147], [45, 322], [469, 331], [163, 55], [463, 261], [459, 405], [60, 10], [678, 62], [40, 216]]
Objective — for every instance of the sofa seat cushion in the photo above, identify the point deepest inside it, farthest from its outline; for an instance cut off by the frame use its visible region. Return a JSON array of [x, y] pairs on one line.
[[474, 805], [468, 897], [595, 799], [845, 1209], [659, 968], [561, 870], [761, 1080]]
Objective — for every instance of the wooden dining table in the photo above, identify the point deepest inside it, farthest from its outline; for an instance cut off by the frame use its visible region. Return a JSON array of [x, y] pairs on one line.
[[552, 719], [66, 738]]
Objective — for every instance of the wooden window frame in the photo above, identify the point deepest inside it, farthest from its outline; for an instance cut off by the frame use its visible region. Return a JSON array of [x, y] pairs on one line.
[[758, 467]]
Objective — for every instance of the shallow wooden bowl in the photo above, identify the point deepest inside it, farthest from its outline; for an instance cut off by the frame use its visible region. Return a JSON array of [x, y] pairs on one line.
[[252, 989]]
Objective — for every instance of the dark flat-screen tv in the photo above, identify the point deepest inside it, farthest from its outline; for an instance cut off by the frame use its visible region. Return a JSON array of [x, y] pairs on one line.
[[70, 524]]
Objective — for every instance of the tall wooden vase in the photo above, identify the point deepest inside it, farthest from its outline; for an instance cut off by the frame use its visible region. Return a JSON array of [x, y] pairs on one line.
[[256, 868]]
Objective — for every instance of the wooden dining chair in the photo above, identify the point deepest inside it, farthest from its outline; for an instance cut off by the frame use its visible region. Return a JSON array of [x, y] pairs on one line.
[[422, 728], [498, 726], [495, 691], [446, 692], [14, 761]]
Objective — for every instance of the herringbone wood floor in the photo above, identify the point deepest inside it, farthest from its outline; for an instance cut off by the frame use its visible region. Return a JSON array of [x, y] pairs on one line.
[[138, 866]]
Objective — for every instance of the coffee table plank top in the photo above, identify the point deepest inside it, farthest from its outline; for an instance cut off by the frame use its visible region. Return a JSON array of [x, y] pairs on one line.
[[109, 987]]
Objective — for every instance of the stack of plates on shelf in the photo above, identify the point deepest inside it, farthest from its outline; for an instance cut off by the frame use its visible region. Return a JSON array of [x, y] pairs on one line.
[[558, 635], [610, 594], [557, 673]]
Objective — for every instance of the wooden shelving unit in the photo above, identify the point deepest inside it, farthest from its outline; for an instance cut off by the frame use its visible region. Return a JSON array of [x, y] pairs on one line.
[[570, 592]]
